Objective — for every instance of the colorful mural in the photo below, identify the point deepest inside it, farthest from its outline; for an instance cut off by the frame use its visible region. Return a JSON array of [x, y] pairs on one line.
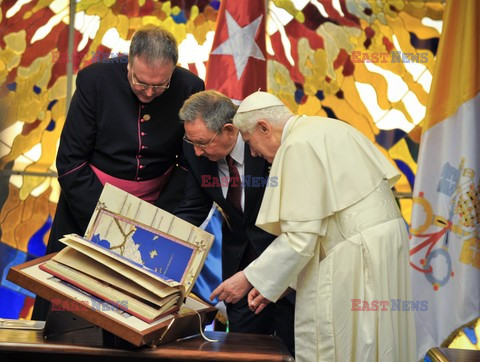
[[367, 63]]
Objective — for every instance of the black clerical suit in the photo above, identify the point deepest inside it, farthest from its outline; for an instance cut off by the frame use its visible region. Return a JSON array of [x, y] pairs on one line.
[[242, 241], [109, 128]]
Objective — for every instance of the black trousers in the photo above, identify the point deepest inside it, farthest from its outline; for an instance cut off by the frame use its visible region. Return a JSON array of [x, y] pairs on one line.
[[63, 223], [276, 318]]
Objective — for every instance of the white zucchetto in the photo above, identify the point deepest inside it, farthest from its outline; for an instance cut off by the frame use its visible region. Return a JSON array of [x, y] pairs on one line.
[[259, 100]]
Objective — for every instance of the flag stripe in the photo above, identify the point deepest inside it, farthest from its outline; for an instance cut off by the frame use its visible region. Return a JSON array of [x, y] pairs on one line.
[[457, 69]]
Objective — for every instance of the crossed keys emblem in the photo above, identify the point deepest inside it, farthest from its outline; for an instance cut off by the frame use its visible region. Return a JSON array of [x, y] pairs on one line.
[[463, 220]]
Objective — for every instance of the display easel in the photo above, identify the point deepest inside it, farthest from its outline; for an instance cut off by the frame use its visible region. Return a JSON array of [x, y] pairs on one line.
[[102, 326]]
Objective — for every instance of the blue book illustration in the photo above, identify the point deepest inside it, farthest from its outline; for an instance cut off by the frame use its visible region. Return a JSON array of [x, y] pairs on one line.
[[144, 246], [164, 257]]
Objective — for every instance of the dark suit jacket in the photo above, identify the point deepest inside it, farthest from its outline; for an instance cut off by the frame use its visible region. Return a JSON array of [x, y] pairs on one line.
[[239, 230]]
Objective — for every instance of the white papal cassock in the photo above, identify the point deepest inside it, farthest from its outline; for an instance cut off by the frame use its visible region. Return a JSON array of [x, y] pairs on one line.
[[341, 241]]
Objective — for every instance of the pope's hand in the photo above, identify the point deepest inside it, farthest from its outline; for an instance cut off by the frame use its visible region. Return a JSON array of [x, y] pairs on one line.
[[232, 289], [256, 301]]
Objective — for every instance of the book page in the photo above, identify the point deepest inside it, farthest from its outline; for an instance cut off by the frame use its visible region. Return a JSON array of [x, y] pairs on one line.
[[78, 261], [160, 252], [119, 202], [90, 301], [123, 266], [113, 296]]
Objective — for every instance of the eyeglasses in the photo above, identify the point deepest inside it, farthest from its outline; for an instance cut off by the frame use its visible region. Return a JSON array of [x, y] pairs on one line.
[[146, 86], [201, 145]]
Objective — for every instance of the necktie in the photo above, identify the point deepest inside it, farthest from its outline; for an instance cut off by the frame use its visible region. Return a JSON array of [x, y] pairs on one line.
[[234, 193], [234, 198]]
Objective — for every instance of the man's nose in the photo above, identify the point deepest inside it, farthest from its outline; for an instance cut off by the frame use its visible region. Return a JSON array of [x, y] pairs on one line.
[[149, 91], [198, 150]]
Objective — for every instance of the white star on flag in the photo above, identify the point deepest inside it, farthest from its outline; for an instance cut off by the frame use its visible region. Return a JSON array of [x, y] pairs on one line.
[[240, 43]]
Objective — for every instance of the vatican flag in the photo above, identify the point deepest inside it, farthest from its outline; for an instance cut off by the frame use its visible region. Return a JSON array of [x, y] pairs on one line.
[[445, 230]]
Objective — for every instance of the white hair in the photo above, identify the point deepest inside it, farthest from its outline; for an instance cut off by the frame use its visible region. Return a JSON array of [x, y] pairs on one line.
[[275, 115]]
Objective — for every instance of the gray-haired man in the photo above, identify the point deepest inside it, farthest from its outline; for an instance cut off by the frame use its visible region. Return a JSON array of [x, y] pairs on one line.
[[123, 128], [222, 170]]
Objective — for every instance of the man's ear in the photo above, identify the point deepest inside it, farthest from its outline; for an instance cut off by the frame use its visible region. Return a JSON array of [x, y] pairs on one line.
[[264, 127], [229, 128]]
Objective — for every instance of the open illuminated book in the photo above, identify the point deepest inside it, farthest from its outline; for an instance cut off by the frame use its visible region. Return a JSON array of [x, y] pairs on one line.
[[145, 269], [117, 280]]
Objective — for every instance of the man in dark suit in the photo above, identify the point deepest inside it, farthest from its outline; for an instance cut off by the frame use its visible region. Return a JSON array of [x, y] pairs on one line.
[[222, 170]]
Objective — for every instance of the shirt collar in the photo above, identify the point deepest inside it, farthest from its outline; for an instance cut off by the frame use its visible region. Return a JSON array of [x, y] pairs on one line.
[[238, 151], [286, 128]]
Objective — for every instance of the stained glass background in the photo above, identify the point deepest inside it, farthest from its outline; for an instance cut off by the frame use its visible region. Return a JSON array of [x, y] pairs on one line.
[[310, 66], [317, 64]]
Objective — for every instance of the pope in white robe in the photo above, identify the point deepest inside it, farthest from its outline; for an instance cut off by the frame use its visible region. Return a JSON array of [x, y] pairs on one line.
[[342, 243]]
